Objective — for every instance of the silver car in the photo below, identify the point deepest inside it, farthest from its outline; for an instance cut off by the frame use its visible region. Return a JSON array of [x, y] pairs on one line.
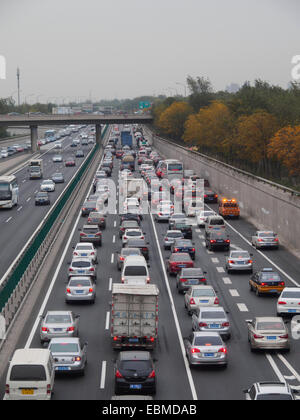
[[268, 391], [263, 239], [171, 236], [266, 333], [80, 288], [205, 348], [82, 266], [58, 324], [211, 319], [289, 301], [69, 354], [85, 249], [239, 261], [198, 296]]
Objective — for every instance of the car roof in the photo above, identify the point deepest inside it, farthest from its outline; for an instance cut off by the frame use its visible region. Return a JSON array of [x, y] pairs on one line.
[[30, 356], [65, 340], [268, 319], [273, 387], [206, 334], [211, 309], [134, 355]]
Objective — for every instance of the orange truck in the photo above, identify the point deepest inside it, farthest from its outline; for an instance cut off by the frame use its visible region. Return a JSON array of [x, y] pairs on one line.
[[229, 208]]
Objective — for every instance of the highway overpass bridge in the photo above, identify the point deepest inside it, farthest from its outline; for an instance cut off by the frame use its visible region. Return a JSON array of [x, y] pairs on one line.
[[34, 121]]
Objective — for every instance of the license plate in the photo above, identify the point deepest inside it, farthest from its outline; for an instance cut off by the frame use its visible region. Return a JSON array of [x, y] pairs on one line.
[[57, 329], [192, 282], [214, 326], [84, 255], [62, 368], [273, 291], [90, 236], [181, 265], [203, 301], [27, 391], [79, 291], [80, 271], [135, 386], [209, 354], [271, 338], [241, 262], [133, 340], [292, 311]]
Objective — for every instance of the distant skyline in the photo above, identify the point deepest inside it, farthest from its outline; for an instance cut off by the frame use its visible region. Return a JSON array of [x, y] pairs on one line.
[[70, 50]]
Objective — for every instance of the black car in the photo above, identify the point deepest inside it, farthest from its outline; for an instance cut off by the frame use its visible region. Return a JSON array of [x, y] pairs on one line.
[[88, 207], [107, 170], [210, 196], [190, 277], [217, 239], [130, 216], [183, 245], [134, 373], [42, 199], [79, 154], [58, 178], [185, 228], [142, 244]]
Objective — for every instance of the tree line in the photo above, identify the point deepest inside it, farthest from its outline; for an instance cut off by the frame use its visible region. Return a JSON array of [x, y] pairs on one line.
[[256, 128]]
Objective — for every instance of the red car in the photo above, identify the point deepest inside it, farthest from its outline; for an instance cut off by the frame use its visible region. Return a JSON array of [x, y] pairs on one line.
[[70, 162], [177, 261]]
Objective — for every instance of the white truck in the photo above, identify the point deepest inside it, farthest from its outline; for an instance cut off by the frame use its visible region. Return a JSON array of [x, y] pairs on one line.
[[35, 169], [134, 316]]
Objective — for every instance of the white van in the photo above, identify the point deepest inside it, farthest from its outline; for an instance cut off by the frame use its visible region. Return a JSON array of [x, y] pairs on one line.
[[30, 375], [214, 222], [135, 270]]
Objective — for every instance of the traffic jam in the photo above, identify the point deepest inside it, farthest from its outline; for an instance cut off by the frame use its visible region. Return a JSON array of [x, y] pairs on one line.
[[159, 236]]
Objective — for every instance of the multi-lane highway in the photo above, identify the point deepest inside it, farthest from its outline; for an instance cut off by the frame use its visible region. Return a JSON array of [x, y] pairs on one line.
[[175, 379]]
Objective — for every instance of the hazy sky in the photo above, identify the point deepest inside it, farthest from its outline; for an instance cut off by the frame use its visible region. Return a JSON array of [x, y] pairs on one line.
[[73, 49]]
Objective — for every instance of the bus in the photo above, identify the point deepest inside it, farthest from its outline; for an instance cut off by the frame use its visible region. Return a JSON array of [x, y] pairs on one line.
[[171, 169], [9, 192], [50, 135]]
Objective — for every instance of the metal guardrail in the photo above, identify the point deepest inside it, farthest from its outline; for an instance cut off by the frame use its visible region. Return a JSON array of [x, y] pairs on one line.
[[29, 263], [227, 166]]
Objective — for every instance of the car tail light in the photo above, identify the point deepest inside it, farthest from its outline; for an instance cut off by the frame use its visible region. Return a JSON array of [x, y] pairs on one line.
[[259, 240], [250, 261], [144, 249], [216, 302], [276, 239], [285, 336], [282, 283], [228, 241], [203, 280], [70, 329], [176, 249], [225, 324], [68, 290], [92, 269], [195, 350], [258, 336], [183, 280], [45, 329], [122, 279], [75, 253], [148, 279], [230, 261], [222, 350], [82, 234], [48, 389], [98, 234], [71, 269], [92, 253], [192, 302], [6, 389], [202, 324], [212, 241], [263, 284], [125, 237], [284, 303], [77, 359], [122, 258], [152, 374], [118, 374], [89, 219], [116, 338]]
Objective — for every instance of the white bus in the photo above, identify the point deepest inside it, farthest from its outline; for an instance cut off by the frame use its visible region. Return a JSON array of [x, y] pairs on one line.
[[50, 135], [171, 169], [9, 192]]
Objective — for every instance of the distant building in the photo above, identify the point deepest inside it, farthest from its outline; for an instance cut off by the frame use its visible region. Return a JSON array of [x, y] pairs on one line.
[[233, 88], [62, 110]]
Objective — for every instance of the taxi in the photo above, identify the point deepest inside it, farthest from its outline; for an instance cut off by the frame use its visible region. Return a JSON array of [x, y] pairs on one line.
[[266, 281]]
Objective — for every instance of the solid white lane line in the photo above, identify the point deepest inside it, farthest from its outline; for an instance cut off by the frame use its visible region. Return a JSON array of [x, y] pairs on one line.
[[188, 370], [227, 280], [242, 307], [234, 293], [220, 270], [107, 320], [103, 375]]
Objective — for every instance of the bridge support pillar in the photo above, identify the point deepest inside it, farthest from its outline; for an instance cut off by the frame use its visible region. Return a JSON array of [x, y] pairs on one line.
[[34, 137], [98, 134]]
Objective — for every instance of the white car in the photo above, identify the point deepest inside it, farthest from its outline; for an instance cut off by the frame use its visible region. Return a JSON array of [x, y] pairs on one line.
[[131, 202], [47, 185], [265, 239], [289, 301], [135, 270], [85, 249], [4, 153], [57, 158], [132, 234], [202, 217], [200, 296], [193, 207]]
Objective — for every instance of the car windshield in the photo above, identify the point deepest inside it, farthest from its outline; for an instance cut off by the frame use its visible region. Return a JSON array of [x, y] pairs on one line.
[[28, 373], [239, 254], [213, 315], [80, 283], [207, 341], [130, 251], [81, 264], [270, 277], [291, 295], [270, 325], [266, 235], [180, 257], [274, 397], [174, 235], [203, 292], [135, 365], [133, 233], [135, 271], [58, 319], [64, 348], [217, 222]]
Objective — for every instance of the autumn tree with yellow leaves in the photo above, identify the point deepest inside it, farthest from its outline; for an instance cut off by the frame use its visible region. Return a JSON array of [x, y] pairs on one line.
[[171, 121]]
